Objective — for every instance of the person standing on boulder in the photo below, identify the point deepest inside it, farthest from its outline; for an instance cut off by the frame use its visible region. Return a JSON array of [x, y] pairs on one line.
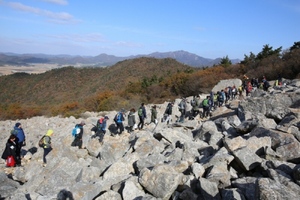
[[19, 133], [10, 151], [154, 115], [119, 118], [131, 120], [78, 138], [182, 110], [168, 112], [142, 116], [47, 145], [195, 106], [206, 107]]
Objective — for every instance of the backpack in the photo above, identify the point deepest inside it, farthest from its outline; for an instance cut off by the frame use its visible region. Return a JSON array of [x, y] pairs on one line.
[[193, 103], [140, 112], [181, 106], [220, 97], [100, 122], [117, 117], [75, 131], [14, 132], [41, 142], [168, 109], [10, 161], [234, 91], [205, 102]]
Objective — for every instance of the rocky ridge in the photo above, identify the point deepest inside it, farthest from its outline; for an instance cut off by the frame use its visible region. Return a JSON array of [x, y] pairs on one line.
[[249, 149]]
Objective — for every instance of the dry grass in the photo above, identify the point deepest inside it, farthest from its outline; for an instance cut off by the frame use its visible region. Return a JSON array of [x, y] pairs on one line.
[[32, 69]]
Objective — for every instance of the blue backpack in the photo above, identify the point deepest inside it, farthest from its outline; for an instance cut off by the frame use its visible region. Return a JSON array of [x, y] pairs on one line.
[[75, 131]]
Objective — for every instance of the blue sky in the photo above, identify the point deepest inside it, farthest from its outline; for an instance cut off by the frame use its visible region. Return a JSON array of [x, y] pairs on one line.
[[211, 29]]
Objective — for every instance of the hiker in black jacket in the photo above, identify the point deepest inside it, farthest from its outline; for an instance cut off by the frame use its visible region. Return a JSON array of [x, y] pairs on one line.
[[10, 150]]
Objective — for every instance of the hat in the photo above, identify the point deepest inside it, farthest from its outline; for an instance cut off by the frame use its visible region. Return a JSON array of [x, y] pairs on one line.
[[82, 123], [106, 117], [49, 132], [18, 124]]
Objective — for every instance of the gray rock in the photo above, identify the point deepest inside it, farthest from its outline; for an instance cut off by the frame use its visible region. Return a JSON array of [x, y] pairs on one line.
[[209, 189], [232, 194], [161, 181], [7, 186]]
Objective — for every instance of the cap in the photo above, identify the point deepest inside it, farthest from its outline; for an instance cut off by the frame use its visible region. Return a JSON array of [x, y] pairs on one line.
[[106, 117], [18, 124], [49, 132]]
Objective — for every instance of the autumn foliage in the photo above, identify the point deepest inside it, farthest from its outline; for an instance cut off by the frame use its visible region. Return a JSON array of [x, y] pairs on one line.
[[71, 91]]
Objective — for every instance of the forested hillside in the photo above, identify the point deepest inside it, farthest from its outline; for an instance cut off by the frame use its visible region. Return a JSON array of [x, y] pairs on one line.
[[71, 91]]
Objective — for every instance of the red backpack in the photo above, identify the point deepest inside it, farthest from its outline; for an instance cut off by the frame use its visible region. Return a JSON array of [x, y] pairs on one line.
[[10, 161]]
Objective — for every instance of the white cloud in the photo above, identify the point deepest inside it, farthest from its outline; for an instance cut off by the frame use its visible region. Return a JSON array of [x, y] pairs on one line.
[[92, 37], [127, 44], [59, 2], [61, 17]]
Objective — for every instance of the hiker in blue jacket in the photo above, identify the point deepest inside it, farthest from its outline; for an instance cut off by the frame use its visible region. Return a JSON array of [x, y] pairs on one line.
[[78, 138], [119, 118], [19, 133]]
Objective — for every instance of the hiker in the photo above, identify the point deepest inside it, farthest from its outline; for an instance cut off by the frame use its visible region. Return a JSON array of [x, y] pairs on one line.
[[119, 118], [10, 151], [215, 99], [279, 79], [78, 137], [248, 89], [19, 133], [266, 84], [100, 128], [142, 116], [47, 145], [240, 90], [168, 112], [195, 106], [154, 115], [205, 105], [220, 98], [131, 120], [234, 92], [182, 110]]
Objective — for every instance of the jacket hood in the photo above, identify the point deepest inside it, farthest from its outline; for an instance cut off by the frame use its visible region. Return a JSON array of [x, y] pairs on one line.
[[49, 132]]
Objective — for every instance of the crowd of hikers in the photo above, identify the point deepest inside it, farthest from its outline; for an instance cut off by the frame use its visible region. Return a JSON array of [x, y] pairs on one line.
[[17, 139]]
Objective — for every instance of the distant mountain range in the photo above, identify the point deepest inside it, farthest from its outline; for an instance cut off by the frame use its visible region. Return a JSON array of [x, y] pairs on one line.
[[104, 59]]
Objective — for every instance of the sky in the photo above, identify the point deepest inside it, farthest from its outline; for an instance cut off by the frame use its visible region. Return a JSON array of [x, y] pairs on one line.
[[210, 29]]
